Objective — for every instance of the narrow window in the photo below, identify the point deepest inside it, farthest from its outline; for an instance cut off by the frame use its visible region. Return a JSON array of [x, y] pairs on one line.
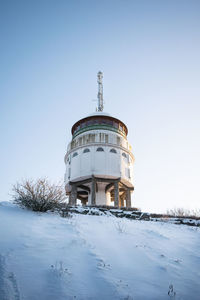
[[75, 154], [72, 145], [69, 173], [80, 141], [128, 173], [118, 140], [113, 151], [86, 150], [124, 155], [101, 137], [100, 149], [93, 138]]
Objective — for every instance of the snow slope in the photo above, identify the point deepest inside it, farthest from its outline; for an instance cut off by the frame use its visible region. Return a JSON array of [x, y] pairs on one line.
[[46, 257]]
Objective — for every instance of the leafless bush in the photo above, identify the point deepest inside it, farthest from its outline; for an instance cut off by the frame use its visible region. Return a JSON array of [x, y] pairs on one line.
[[38, 195], [182, 212], [196, 212]]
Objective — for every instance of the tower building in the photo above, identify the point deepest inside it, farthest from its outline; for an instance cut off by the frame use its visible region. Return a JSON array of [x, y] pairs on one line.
[[99, 159]]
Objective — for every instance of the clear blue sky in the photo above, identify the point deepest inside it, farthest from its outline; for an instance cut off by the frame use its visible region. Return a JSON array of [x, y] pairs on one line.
[[149, 54]]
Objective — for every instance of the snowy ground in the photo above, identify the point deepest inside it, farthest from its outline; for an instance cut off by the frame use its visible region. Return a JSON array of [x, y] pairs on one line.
[[46, 257]]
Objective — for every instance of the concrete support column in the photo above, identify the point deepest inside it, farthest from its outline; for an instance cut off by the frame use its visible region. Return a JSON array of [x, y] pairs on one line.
[[93, 191], [116, 193], [128, 198], [122, 198], [73, 195]]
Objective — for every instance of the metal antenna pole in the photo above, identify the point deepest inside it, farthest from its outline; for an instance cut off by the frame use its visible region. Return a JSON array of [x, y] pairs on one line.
[[100, 91]]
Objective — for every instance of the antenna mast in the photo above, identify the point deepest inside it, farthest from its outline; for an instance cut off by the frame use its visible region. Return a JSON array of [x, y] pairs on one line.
[[100, 91]]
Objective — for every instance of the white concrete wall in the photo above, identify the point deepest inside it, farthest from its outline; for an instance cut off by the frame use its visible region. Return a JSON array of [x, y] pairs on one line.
[[99, 163]]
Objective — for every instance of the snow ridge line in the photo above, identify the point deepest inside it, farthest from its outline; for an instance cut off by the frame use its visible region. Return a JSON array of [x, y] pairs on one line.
[[132, 215]]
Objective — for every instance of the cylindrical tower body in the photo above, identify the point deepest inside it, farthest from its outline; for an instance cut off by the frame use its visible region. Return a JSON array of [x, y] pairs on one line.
[[99, 162]]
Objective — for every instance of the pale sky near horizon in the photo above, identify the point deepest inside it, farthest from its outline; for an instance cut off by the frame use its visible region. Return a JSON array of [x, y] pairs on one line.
[[149, 53]]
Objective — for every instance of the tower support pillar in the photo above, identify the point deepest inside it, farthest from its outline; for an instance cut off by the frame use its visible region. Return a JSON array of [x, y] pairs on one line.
[[128, 198], [122, 198], [73, 195], [116, 193], [93, 192]]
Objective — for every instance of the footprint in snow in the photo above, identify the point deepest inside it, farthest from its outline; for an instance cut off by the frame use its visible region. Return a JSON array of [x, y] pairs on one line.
[[13, 281], [8, 283], [177, 260], [59, 269], [121, 283], [103, 266]]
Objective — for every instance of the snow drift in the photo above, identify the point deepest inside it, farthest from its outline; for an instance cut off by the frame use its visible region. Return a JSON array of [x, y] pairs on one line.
[[44, 256]]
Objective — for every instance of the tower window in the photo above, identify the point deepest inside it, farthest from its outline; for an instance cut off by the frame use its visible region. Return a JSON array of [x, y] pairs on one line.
[[68, 160], [124, 155], [128, 172], [113, 151], [80, 141], [86, 150], [75, 154], [100, 149], [118, 140]]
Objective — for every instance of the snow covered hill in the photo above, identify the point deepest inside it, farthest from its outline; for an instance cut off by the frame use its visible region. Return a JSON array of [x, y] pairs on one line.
[[46, 257]]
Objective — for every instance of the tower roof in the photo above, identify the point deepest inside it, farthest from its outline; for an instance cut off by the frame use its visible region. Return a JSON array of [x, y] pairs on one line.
[[99, 120]]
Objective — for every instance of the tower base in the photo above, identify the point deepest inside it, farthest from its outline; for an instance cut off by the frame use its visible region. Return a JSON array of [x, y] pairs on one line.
[[100, 191]]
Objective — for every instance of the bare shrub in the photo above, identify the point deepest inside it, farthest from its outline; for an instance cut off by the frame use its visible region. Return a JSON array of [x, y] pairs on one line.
[[178, 212], [196, 212], [38, 195], [182, 212]]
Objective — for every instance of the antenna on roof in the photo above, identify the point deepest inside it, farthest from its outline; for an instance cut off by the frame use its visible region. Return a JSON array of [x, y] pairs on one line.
[[100, 91]]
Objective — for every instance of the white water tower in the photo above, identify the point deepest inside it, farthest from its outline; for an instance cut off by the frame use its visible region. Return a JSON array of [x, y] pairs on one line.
[[99, 160]]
